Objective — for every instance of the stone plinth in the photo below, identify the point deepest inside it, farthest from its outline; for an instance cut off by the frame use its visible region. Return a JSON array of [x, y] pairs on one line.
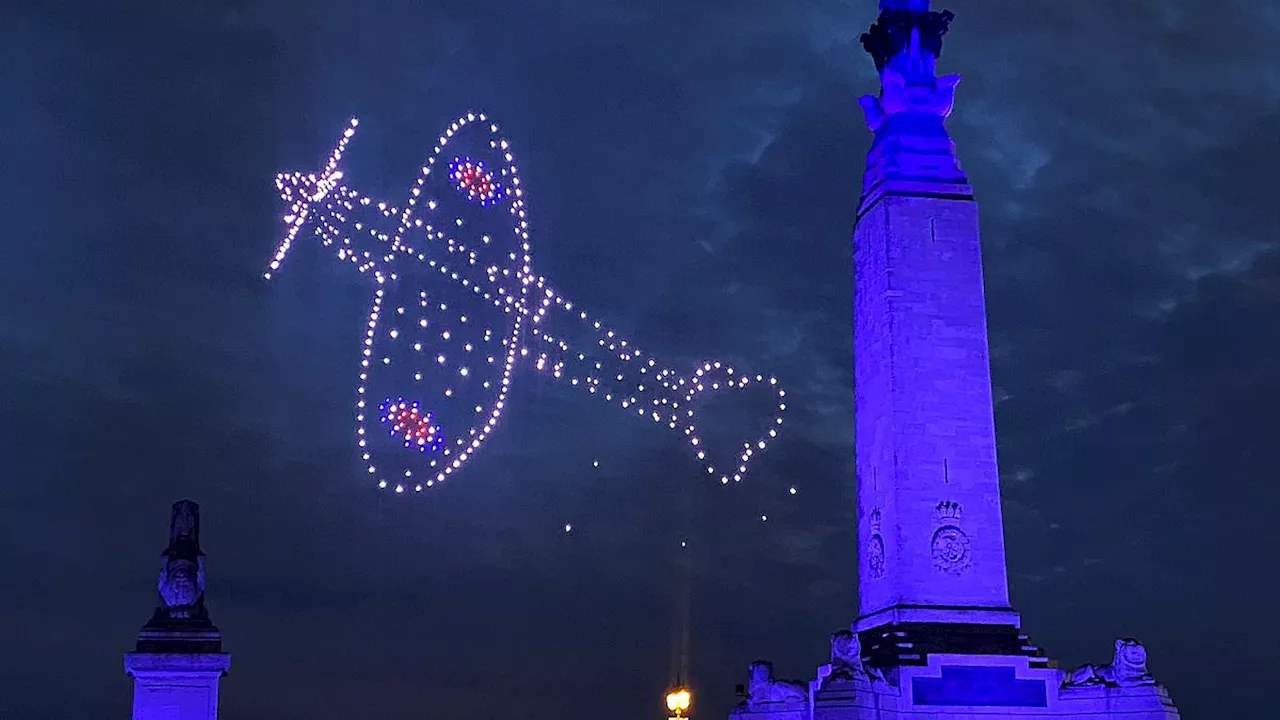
[[972, 687], [172, 686]]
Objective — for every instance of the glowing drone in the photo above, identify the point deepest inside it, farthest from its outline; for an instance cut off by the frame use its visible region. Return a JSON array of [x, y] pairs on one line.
[[456, 306]]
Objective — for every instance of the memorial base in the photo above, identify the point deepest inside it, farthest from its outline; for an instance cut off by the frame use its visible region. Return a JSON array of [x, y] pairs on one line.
[[914, 671], [964, 687]]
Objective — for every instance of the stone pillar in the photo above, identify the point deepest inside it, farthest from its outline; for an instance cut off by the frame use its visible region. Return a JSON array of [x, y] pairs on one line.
[[178, 659], [936, 637], [931, 539]]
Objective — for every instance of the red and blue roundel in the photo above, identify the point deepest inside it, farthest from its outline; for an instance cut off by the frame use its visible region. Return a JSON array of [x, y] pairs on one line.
[[474, 182]]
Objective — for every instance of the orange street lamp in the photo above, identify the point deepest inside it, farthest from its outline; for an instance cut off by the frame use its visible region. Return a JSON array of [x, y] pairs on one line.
[[678, 700]]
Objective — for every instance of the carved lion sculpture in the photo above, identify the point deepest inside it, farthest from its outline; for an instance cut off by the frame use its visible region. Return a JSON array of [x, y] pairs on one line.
[[846, 660], [1128, 668], [181, 584], [846, 653], [763, 688]]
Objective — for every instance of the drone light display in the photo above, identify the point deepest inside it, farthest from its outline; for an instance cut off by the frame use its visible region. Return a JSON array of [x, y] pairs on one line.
[[457, 310]]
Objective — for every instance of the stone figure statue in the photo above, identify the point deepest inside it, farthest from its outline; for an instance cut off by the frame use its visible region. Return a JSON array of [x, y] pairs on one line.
[[181, 580], [846, 654], [762, 688], [1128, 668], [846, 661]]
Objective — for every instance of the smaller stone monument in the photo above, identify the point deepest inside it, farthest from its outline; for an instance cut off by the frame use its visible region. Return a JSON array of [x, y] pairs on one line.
[[178, 659]]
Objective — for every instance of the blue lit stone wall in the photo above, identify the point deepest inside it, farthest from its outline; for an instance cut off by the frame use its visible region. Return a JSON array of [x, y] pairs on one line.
[[928, 486]]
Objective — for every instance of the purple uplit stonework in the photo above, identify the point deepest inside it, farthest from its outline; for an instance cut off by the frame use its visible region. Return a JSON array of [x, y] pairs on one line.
[[911, 142], [980, 686], [935, 637], [950, 545], [875, 549]]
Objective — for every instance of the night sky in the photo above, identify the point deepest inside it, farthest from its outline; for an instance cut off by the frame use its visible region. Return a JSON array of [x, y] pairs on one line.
[[693, 169]]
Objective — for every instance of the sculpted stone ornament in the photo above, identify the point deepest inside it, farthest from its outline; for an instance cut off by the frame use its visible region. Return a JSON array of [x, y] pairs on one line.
[[1128, 668], [935, 98], [181, 580], [908, 85], [876, 562], [846, 654], [907, 117], [901, 24], [950, 545], [846, 662], [763, 689]]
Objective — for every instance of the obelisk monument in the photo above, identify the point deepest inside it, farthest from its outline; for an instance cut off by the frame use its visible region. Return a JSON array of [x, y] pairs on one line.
[[930, 534], [178, 660], [935, 637]]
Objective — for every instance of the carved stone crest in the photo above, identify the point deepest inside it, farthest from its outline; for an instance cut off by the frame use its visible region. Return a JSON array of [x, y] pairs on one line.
[[1128, 668], [875, 549], [950, 544], [905, 43]]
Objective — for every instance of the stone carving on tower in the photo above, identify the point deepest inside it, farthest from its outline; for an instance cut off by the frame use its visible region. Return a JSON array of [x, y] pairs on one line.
[[911, 141], [875, 548], [950, 545]]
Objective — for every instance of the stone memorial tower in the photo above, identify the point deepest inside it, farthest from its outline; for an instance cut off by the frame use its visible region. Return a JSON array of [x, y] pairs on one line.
[[935, 636], [178, 660]]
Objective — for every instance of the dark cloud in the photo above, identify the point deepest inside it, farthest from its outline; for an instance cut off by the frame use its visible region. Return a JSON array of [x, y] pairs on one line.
[[693, 172]]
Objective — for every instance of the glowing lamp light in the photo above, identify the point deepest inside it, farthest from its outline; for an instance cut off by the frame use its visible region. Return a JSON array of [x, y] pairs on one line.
[[678, 701], [456, 306]]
